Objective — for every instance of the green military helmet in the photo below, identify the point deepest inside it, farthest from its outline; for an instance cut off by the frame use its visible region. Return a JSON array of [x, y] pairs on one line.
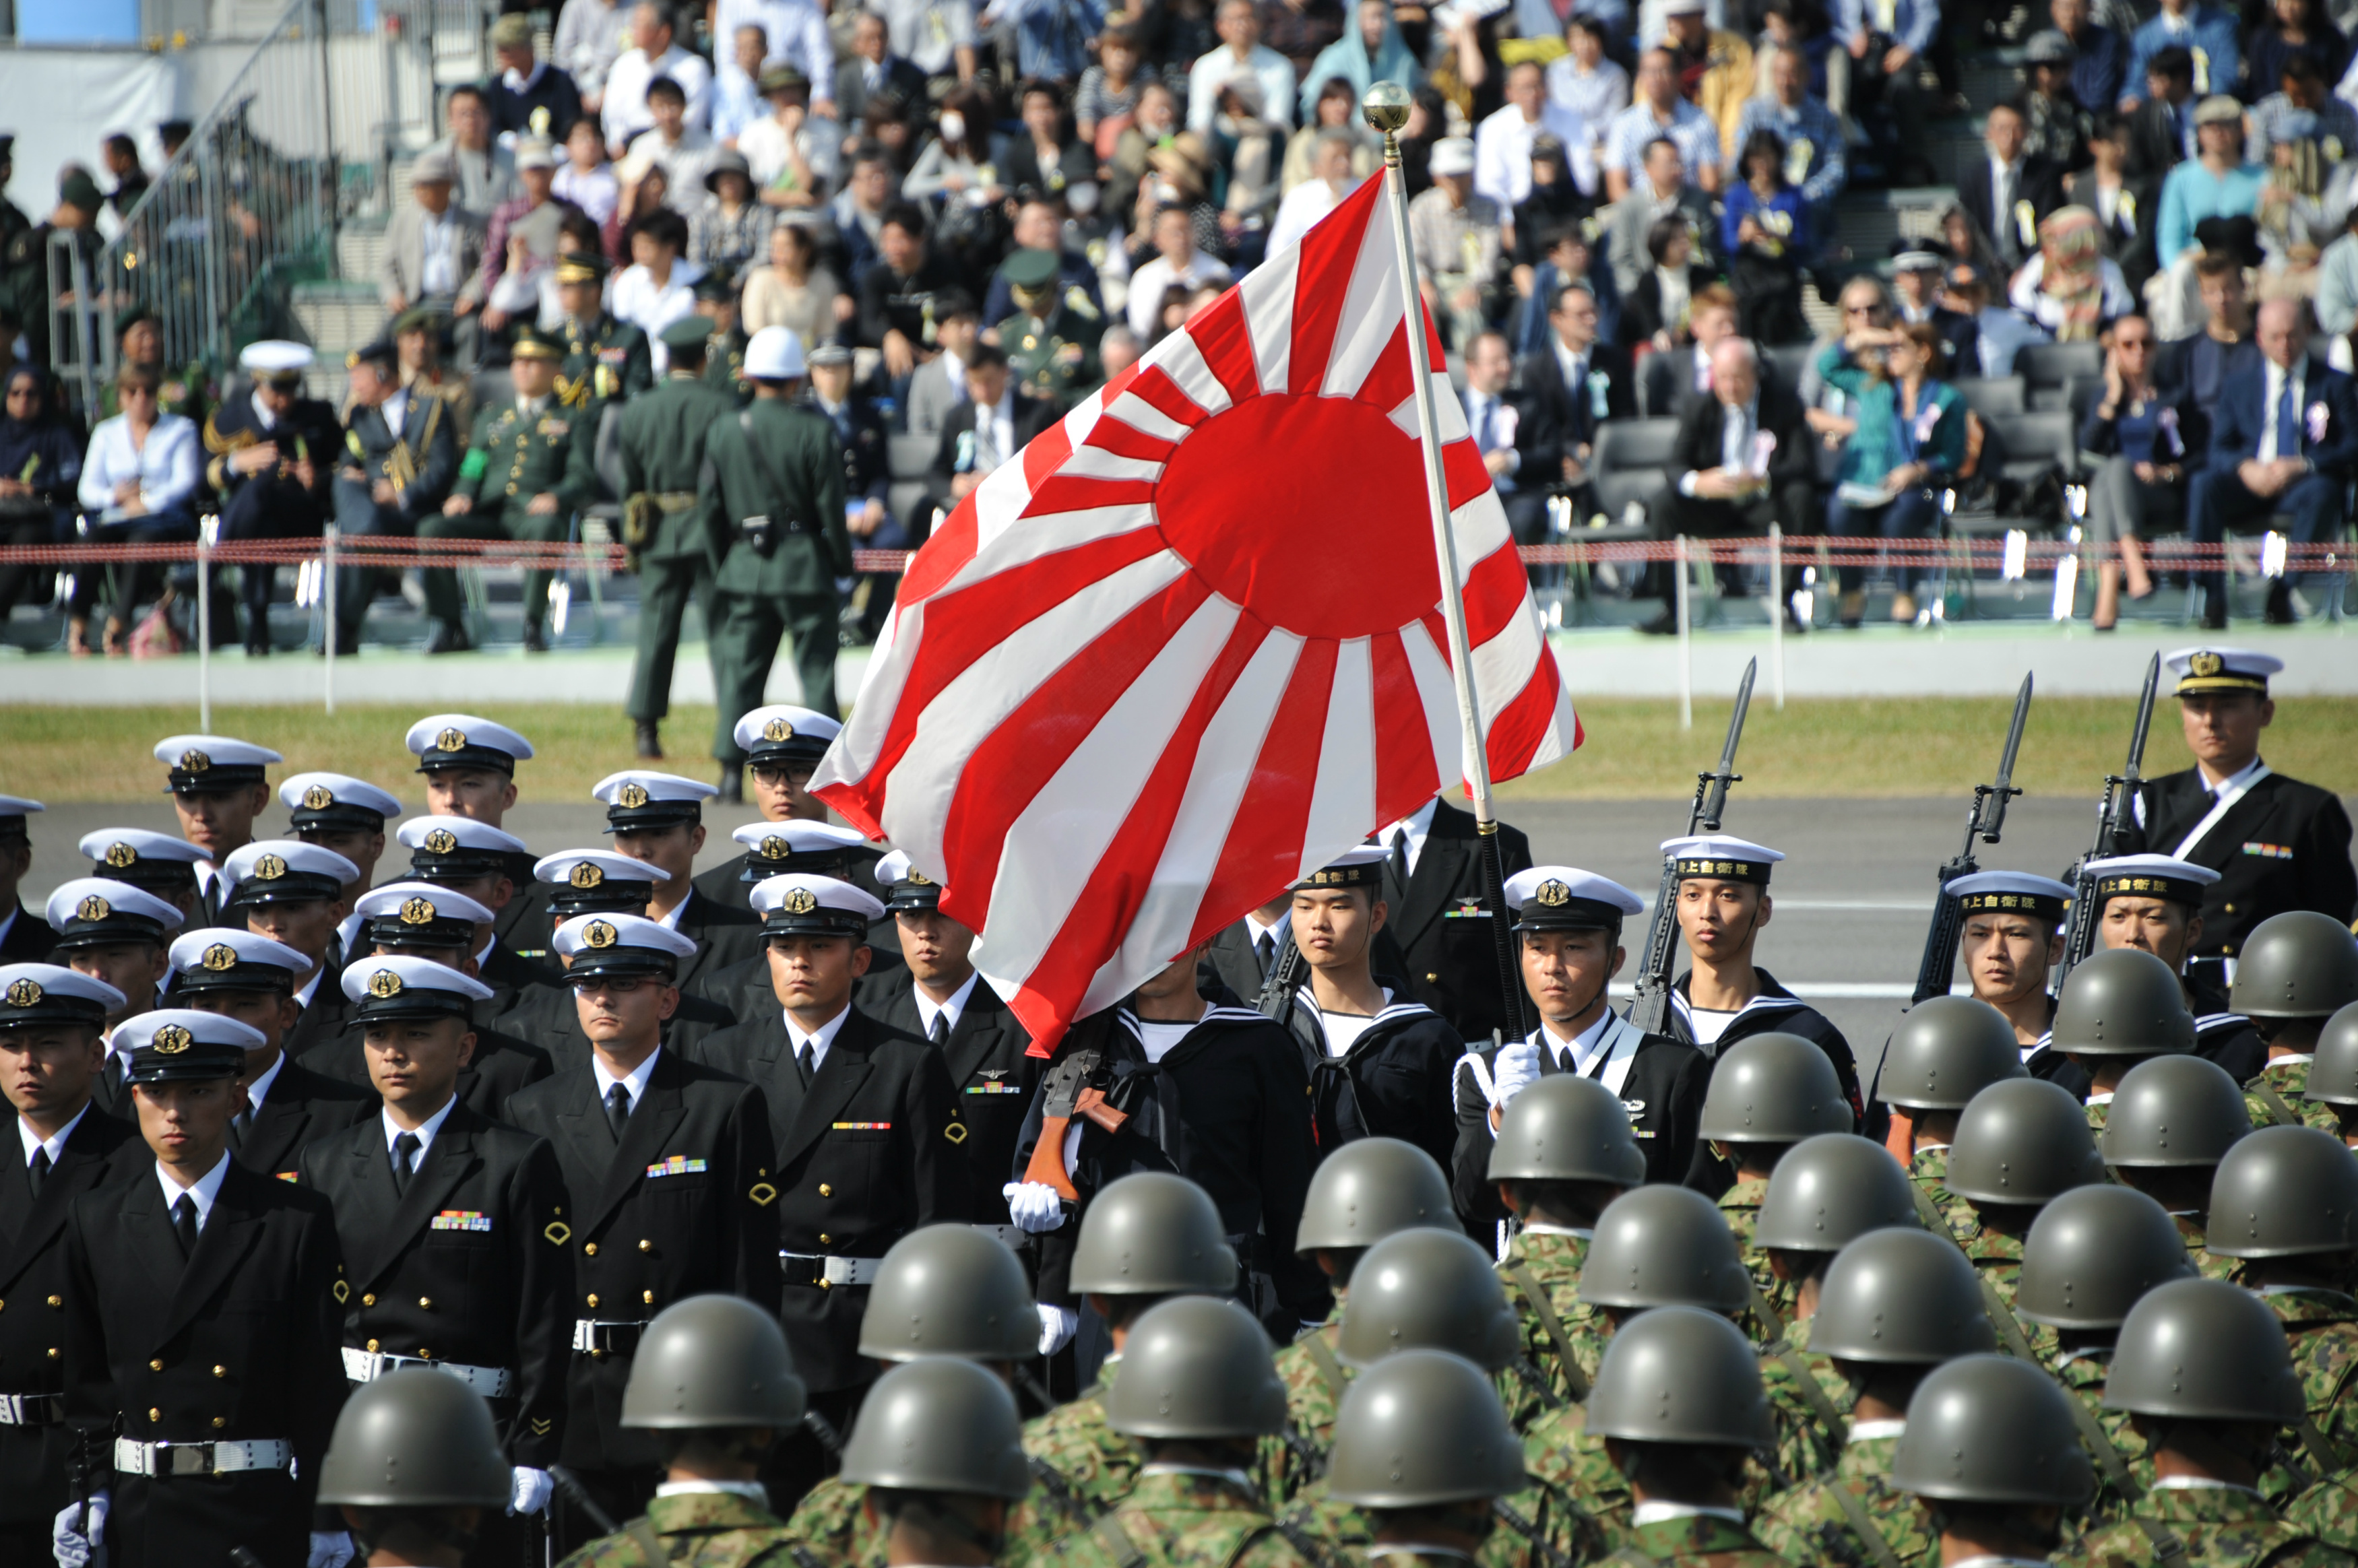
[[950, 1290], [2334, 1069], [1427, 1290], [2092, 1253], [1368, 1189], [1421, 1430], [1565, 1128], [1151, 1234], [2203, 1350], [939, 1424], [1197, 1367], [2173, 1111], [2300, 963], [2283, 1192], [1901, 1297], [1681, 1375], [1773, 1088], [2122, 1002], [1946, 1050], [414, 1439], [1664, 1246], [712, 1361], [1990, 1429], [2022, 1142], [1829, 1190]]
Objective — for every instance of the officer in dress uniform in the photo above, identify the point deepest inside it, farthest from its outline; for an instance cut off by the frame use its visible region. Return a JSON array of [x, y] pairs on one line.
[[294, 893], [1439, 938], [450, 1226], [202, 1330], [52, 1041], [724, 344], [605, 358], [473, 858], [660, 445], [2153, 903], [816, 848], [1050, 338], [25, 938], [155, 863], [113, 933], [2276, 843], [273, 462], [401, 457], [863, 429], [529, 464], [337, 812], [782, 745], [218, 788], [673, 1188], [1568, 934], [469, 764]]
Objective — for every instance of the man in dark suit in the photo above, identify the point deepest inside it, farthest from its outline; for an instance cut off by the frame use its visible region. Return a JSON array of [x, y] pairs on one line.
[[530, 96], [469, 764], [294, 893], [200, 1333], [671, 1187], [273, 456], [2285, 441], [452, 1228], [1743, 457], [782, 745], [1238, 957], [1572, 385], [1670, 380], [401, 455], [871, 68], [115, 934], [998, 420], [2159, 127], [2007, 194], [1436, 936], [25, 938], [52, 1043], [1916, 296]]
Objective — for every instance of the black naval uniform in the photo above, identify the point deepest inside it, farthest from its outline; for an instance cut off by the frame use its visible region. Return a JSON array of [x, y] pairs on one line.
[[272, 504], [2282, 845], [28, 940], [421, 463], [502, 1066], [1394, 1081], [1775, 1011], [1438, 936], [298, 1108], [992, 1079]]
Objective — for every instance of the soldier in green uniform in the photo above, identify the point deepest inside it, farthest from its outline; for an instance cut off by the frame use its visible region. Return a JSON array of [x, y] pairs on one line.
[[2296, 970], [604, 358], [1767, 1092], [772, 501], [724, 353], [659, 445], [1945, 1050], [713, 1379], [2173, 1120], [2021, 1144], [414, 1465], [1895, 1304], [1050, 338], [2118, 1008], [2333, 1073], [1990, 1454], [1422, 1449], [938, 1445]]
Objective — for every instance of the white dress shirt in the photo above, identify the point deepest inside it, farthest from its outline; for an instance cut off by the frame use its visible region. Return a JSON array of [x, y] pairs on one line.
[[795, 33], [950, 1010], [167, 467], [1148, 283], [256, 1091], [438, 242], [1500, 433], [1503, 149], [1212, 71], [997, 422], [2272, 388], [424, 1131], [635, 1085], [207, 1189], [56, 1145], [650, 306], [1577, 1054], [624, 115], [819, 1043]]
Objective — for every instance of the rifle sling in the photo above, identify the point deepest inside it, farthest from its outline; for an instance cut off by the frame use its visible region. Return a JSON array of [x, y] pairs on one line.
[[2320, 1447], [1315, 1346], [1764, 1309], [2098, 1442], [1813, 1393], [1926, 1210], [1116, 1541], [1575, 1379], [2279, 1112], [642, 1531], [1862, 1525]]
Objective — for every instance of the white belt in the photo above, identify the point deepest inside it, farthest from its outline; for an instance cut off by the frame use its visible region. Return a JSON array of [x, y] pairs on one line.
[[1013, 1237], [830, 1270], [600, 1336], [135, 1458], [32, 1409], [368, 1365]]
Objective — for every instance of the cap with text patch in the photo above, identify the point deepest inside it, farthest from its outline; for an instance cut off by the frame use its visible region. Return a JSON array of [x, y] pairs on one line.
[[2150, 876], [212, 764], [1565, 898], [905, 887], [799, 904], [781, 734], [398, 986], [2011, 893], [336, 802], [637, 799], [13, 809], [98, 912], [593, 881], [180, 1044], [456, 846], [421, 913], [598, 945], [2221, 669], [222, 960], [50, 993], [155, 862], [1361, 866], [782, 848], [1728, 859], [442, 740], [286, 871]]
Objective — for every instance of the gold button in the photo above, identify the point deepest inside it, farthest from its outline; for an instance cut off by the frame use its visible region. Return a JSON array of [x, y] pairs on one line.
[[221, 1371], [590, 1250], [825, 1240], [426, 1302], [155, 1366], [372, 1345], [594, 1299], [648, 1297], [369, 1300], [220, 1422], [424, 1354], [57, 1301], [1432, 979], [55, 1353], [154, 1413], [825, 1285], [645, 1245], [825, 1191], [2230, 909]]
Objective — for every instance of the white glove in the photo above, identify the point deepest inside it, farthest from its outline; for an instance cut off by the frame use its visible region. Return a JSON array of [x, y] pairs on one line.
[[1057, 1326], [1033, 1206], [75, 1544], [528, 1490], [1515, 1068], [329, 1548]]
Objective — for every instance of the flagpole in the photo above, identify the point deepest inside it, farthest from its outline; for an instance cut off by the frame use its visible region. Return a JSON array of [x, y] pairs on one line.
[[1385, 106]]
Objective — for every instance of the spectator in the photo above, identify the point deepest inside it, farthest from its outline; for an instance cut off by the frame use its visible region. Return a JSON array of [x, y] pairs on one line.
[[1553, 200], [955, 162], [1455, 234], [1241, 52], [139, 485], [1178, 261], [2146, 444], [1742, 459], [1815, 159], [2302, 110], [651, 192], [1428, 124], [2010, 192], [523, 237], [1662, 191], [2070, 287], [2337, 280], [623, 112], [40, 467], [530, 96], [1655, 313], [939, 387], [1107, 100], [1336, 108], [2054, 125], [2100, 56], [1048, 157], [872, 66], [659, 285], [2194, 369], [1590, 88], [897, 131], [122, 157], [860, 211], [1864, 302], [1885, 39], [737, 93], [2293, 28], [791, 156], [1371, 52], [1764, 230], [2291, 214], [2161, 130], [729, 231], [679, 148], [482, 170], [895, 295], [1502, 144], [936, 35], [1331, 181], [139, 340], [1117, 352], [998, 420], [794, 290], [1129, 185], [1180, 177], [1999, 333], [433, 249], [588, 40], [1916, 297], [1660, 113], [2208, 34], [1572, 383], [1666, 381], [798, 35], [586, 180], [1040, 226], [1494, 422], [1713, 66], [1907, 441], [2218, 184], [1249, 150], [1052, 36], [2123, 211]]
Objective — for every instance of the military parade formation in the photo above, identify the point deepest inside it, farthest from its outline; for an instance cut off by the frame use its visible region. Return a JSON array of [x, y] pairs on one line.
[[521, 1205]]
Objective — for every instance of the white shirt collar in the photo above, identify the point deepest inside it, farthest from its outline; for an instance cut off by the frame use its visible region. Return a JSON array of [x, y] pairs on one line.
[[1645, 1514], [425, 1132], [820, 1042], [56, 1145], [671, 921], [1864, 1431], [753, 1489], [636, 1083], [260, 1088], [483, 953], [516, 81], [7, 924], [1537, 1227], [208, 1188], [1254, 928], [1418, 824], [927, 1008], [269, 420], [1581, 1046], [2199, 1483], [2236, 780], [310, 988]]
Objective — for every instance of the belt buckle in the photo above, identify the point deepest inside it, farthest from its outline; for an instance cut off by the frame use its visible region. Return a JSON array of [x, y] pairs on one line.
[[836, 1271], [802, 1268], [198, 1460]]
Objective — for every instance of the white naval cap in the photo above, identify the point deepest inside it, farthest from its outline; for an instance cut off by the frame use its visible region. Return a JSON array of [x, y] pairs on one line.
[[203, 763], [421, 911], [221, 958], [906, 889], [774, 840], [180, 1043], [568, 868], [2150, 876], [93, 912], [2026, 892], [51, 993], [1360, 866], [274, 357], [2221, 669], [458, 846], [277, 870], [798, 904], [138, 856], [463, 741], [1717, 855], [337, 801], [13, 809], [638, 797], [1565, 898], [403, 986], [620, 943], [783, 733]]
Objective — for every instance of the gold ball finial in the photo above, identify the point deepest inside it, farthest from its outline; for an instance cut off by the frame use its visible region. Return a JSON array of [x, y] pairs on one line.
[[1385, 106]]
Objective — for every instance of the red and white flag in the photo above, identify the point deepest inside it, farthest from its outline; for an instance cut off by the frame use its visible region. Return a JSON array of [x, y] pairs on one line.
[[1189, 646]]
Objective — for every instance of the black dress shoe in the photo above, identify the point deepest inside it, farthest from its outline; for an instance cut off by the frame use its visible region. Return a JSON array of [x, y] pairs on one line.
[[732, 785], [534, 642], [650, 743], [258, 647], [447, 638], [1666, 624], [2279, 611]]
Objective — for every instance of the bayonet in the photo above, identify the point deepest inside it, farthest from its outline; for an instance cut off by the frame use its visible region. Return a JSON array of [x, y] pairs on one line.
[[1652, 1010], [1985, 822]]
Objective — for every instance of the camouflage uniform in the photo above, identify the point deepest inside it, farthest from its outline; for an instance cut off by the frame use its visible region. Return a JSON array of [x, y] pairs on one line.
[[2209, 1264], [2322, 1327], [1078, 1463], [1805, 1446], [1189, 1520], [2287, 1079], [2329, 1510], [1703, 1540], [2097, 1110], [2219, 1526], [1929, 1170], [707, 1530], [1553, 1262], [1560, 1454], [1807, 1525], [830, 1518], [1564, 1533], [1741, 1205]]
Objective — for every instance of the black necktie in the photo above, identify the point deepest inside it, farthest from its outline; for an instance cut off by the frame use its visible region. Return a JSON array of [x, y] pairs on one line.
[[803, 1063], [184, 1223], [940, 1032], [618, 1110], [36, 1175], [1265, 950], [1400, 857], [405, 1156]]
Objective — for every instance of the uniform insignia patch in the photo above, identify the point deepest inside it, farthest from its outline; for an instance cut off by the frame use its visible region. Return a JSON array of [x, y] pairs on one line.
[[677, 1166], [763, 1195], [384, 983], [557, 1233], [798, 901], [318, 797], [955, 1132], [194, 761], [994, 1088], [587, 875], [441, 841], [343, 1292], [461, 1219], [452, 739], [777, 730], [632, 796], [120, 854], [93, 908], [270, 868], [862, 1126], [775, 848], [24, 993], [172, 1039], [220, 955], [417, 911], [2206, 663], [1550, 894], [597, 934], [2268, 851]]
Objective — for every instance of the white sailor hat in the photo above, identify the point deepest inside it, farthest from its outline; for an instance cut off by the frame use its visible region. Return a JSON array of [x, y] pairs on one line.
[[97, 911], [2221, 669], [144, 860], [180, 1045], [636, 798], [1717, 854], [774, 353], [221, 960], [620, 943], [799, 904], [336, 802], [905, 887], [420, 912], [783, 733], [463, 740], [456, 846], [402, 986], [286, 871], [2150, 876], [582, 881], [51, 993], [1360, 866], [275, 359], [1565, 898], [13, 811], [773, 849], [211, 764], [2024, 892]]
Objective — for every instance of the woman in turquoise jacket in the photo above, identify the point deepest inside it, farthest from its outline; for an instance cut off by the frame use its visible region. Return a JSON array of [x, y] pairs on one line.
[[1907, 441]]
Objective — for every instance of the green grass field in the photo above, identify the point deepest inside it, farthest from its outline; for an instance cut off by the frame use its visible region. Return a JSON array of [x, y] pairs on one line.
[[1635, 750]]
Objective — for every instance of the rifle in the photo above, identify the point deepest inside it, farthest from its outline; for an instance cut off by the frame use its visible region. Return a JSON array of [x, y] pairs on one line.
[[1651, 1010], [2116, 832], [1985, 821], [1060, 1492], [568, 1483], [1276, 1000], [824, 1430]]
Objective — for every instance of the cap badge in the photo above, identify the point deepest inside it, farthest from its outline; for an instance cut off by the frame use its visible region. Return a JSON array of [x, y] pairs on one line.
[[417, 911], [777, 730], [588, 874], [172, 1039], [917, 879], [120, 854], [1550, 894], [775, 848], [451, 739], [632, 796], [270, 868], [93, 907], [441, 841], [798, 901], [2207, 664], [220, 955], [24, 993], [384, 983], [597, 934], [194, 761], [318, 797]]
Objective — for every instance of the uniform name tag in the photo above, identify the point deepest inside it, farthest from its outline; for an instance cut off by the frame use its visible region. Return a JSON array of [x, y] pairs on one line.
[[863, 1126], [2269, 851], [553, 426], [461, 1219], [994, 1088], [677, 1166]]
